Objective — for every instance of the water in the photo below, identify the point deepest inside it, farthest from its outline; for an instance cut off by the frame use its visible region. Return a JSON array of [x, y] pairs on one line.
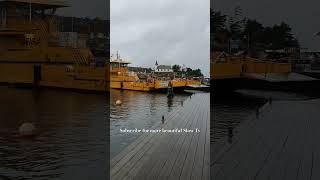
[[72, 139], [139, 110], [230, 111], [73, 127]]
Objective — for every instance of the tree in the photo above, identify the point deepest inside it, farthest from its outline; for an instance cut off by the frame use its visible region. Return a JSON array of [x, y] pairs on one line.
[[236, 23], [220, 35], [193, 73], [197, 73], [248, 33], [275, 37], [217, 22], [176, 68], [282, 37], [252, 34]]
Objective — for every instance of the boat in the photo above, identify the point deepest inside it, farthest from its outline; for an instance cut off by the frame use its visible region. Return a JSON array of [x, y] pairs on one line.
[[225, 72], [121, 78], [31, 53], [233, 72]]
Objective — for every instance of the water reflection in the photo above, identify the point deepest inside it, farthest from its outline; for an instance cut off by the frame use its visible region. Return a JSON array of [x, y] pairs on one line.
[[170, 103], [230, 134], [229, 111], [72, 135], [139, 110]]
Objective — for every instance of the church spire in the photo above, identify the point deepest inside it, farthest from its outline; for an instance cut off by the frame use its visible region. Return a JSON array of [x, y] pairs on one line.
[[156, 63]]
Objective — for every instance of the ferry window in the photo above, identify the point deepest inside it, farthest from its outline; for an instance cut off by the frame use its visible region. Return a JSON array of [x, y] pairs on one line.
[[124, 65], [20, 11]]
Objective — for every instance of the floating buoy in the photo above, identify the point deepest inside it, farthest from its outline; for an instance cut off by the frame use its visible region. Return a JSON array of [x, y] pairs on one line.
[[27, 129], [118, 102]]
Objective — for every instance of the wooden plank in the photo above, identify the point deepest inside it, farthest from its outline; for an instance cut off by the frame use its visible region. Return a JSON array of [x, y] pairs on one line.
[[275, 147], [196, 150], [168, 164], [141, 139], [164, 166], [123, 163], [230, 160], [261, 155], [165, 154], [148, 161], [168, 147], [277, 165], [206, 157], [199, 162], [178, 164]]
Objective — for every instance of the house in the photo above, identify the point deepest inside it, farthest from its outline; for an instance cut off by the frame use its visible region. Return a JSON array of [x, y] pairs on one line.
[[162, 68]]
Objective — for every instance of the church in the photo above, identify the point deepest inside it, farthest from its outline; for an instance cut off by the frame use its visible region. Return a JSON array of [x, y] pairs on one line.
[[162, 68]]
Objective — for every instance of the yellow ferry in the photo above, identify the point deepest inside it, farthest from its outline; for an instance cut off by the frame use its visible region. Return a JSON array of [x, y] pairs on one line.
[[224, 66], [230, 72], [121, 78], [30, 52]]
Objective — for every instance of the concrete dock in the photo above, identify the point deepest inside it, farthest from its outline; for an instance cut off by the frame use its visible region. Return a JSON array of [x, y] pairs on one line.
[[164, 155], [281, 143]]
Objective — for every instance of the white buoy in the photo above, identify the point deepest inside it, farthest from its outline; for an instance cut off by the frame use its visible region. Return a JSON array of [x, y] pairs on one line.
[[27, 129], [118, 102]]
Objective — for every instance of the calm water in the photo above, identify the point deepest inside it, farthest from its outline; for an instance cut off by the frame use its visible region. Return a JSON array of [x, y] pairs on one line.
[[139, 110], [72, 138], [229, 112]]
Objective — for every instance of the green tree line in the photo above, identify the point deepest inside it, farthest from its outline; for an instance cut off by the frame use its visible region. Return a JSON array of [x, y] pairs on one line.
[[188, 72], [251, 33]]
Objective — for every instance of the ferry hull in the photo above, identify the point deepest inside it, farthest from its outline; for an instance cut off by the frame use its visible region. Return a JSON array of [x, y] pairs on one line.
[[135, 86], [58, 76], [158, 85], [222, 86]]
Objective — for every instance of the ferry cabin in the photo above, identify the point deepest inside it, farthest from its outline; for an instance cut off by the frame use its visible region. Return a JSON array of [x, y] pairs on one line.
[[30, 52]]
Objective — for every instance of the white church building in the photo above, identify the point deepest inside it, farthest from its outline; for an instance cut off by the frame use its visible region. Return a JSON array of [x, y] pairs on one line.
[[162, 68]]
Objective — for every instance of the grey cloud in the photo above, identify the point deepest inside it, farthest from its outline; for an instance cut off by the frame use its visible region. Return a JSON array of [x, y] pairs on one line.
[[172, 32]]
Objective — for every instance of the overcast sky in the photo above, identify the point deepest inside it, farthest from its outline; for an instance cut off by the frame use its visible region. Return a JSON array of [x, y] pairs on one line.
[[169, 31], [87, 8], [303, 16]]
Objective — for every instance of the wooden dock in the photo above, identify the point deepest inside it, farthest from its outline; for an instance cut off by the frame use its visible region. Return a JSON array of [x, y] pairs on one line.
[[166, 155], [282, 143]]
